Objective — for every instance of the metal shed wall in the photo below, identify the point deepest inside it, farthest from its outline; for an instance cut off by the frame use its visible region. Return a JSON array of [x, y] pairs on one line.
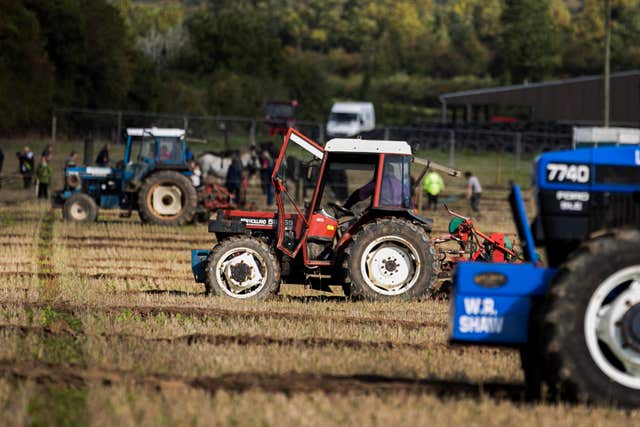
[[577, 100]]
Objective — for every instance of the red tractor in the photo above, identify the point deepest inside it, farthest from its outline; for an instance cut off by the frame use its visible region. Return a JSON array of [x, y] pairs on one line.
[[358, 227], [280, 116]]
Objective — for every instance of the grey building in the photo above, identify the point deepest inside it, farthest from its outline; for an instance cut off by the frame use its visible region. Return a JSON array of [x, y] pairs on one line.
[[575, 100]]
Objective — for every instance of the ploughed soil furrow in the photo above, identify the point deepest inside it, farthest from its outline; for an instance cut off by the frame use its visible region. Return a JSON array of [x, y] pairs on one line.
[[18, 244], [78, 376], [154, 267], [15, 236], [140, 239], [140, 260], [121, 244], [229, 314], [49, 275], [241, 340]]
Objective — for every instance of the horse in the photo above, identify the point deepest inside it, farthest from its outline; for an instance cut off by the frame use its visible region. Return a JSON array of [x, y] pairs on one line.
[[217, 164]]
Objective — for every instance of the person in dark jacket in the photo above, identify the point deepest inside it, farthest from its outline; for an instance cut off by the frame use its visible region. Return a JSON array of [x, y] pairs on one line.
[[234, 177], [103, 156], [25, 159], [48, 152]]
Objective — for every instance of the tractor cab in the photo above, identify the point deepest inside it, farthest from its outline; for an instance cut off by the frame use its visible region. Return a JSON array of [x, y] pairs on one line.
[[327, 191], [151, 149]]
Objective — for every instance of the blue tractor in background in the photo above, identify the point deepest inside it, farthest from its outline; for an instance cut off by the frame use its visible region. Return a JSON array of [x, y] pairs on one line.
[[153, 179], [576, 321]]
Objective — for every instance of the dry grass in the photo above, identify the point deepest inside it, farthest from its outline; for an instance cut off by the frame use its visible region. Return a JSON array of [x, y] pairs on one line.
[[103, 325]]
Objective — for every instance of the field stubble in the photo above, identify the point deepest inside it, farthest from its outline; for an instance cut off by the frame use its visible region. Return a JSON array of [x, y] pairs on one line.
[[103, 324]]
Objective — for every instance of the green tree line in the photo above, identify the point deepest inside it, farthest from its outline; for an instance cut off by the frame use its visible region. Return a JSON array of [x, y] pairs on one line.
[[231, 56]]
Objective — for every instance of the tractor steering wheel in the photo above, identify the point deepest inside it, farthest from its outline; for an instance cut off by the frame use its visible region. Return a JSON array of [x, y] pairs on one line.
[[340, 208]]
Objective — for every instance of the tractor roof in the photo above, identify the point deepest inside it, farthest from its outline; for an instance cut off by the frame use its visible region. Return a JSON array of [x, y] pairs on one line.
[[161, 132], [352, 145]]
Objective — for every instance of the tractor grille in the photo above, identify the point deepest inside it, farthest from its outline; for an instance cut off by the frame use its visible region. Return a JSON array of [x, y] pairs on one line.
[[610, 210]]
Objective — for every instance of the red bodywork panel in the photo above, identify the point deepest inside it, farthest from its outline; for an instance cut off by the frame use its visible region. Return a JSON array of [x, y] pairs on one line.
[[321, 226], [257, 220]]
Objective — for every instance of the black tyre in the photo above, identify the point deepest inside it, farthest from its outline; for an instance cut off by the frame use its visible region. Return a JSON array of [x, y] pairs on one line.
[[390, 259], [591, 326], [242, 268], [167, 198], [80, 207]]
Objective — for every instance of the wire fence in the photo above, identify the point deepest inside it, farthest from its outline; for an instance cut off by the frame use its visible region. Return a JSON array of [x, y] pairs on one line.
[[497, 156], [218, 132]]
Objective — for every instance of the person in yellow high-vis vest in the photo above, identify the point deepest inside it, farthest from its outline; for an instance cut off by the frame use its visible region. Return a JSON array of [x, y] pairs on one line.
[[432, 184]]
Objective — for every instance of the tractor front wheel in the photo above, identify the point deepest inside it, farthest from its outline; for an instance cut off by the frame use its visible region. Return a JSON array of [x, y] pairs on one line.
[[591, 329], [242, 268], [390, 259], [80, 207], [167, 198]]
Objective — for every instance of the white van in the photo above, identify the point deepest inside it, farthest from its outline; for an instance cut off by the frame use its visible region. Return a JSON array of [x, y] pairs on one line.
[[350, 118]]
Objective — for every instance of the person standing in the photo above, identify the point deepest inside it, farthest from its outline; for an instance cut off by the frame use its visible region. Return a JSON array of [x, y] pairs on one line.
[[432, 185], [234, 177], [196, 174], [266, 169], [72, 160], [43, 173], [25, 159], [474, 190], [103, 156], [48, 152]]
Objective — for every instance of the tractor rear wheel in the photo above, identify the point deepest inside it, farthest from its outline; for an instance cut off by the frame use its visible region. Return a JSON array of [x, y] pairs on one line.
[[80, 207], [167, 198], [389, 259], [591, 329], [241, 268]]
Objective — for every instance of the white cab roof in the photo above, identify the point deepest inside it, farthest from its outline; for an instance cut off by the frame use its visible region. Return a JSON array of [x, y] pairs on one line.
[[161, 132], [352, 145]]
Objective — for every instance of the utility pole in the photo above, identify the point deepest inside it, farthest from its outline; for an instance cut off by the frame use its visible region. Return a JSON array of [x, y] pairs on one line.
[[607, 59]]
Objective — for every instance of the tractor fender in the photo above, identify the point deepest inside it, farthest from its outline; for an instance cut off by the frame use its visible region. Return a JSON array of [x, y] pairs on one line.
[[373, 213]]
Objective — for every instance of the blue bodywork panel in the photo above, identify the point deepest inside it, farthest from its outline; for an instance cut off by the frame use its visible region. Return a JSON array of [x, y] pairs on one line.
[[109, 201], [199, 263], [492, 302], [601, 169]]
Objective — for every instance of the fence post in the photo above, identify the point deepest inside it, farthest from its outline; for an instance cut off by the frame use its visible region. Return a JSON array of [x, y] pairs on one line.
[[185, 122], [386, 133], [321, 133], [119, 131], [518, 149], [452, 148], [252, 133], [54, 126]]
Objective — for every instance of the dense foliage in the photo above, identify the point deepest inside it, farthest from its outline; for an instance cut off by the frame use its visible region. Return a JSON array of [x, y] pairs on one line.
[[230, 56]]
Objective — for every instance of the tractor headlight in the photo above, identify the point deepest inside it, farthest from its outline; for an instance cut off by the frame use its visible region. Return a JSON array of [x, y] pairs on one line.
[[74, 180]]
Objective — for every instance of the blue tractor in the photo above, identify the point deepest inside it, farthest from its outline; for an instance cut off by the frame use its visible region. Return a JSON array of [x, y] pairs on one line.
[[153, 179], [576, 321]]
